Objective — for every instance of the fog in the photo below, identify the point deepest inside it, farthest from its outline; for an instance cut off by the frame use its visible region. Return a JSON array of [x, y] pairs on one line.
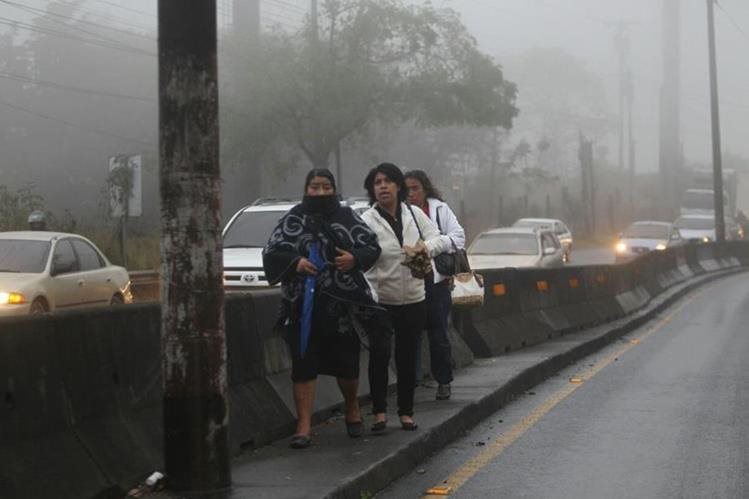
[[76, 92]]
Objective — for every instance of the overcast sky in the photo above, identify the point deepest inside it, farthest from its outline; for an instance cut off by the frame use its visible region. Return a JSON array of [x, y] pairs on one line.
[[586, 29]]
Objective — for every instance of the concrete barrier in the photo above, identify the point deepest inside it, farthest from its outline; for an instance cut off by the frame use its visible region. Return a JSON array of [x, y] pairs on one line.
[[82, 389]]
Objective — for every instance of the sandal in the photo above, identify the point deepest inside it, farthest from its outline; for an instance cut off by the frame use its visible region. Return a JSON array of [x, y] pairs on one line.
[[300, 442], [409, 425], [379, 427], [355, 429]]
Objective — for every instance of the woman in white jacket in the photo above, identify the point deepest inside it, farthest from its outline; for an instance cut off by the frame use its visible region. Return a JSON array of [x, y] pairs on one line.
[[398, 227], [423, 194]]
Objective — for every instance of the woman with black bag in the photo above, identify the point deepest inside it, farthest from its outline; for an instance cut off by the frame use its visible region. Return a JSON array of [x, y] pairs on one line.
[[318, 252], [422, 193]]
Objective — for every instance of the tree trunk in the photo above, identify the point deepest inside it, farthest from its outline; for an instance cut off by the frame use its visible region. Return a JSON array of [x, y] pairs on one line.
[[196, 451]]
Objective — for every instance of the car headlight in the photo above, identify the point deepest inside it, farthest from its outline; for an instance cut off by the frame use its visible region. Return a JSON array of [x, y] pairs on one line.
[[621, 247], [11, 298], [660, 246], [705, 239]]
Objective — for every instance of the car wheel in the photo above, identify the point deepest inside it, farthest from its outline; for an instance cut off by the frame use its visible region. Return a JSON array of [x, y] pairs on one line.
[[116, 300], [38, 307]]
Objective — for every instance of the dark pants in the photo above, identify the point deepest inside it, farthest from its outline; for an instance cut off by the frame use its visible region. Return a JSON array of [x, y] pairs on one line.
[[439, 302], [407, 322]]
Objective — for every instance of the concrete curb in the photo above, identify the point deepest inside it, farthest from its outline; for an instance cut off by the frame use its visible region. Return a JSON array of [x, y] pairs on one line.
[[400, 462]]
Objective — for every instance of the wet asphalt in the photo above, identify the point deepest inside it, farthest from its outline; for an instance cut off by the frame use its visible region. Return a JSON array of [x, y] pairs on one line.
[[666, 417]]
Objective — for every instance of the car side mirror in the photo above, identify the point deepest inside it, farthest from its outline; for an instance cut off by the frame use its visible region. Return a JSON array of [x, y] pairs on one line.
[[549, 251]]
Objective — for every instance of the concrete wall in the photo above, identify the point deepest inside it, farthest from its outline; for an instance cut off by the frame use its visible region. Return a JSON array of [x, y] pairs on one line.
[[81, 412]]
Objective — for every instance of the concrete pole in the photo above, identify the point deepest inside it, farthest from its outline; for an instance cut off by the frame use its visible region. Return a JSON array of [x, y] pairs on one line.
[[720, 226], [631, 144], [670, 133], [196, 418]]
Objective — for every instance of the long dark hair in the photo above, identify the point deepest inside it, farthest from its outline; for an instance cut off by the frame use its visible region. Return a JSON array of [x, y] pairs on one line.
[[392, 172], [429, 189]]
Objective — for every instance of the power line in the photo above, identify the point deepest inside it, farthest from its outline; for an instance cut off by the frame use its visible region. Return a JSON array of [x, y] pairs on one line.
[[735, 24], [289, 5], [52, 15], [47, 16], [106, 16], [71, 88], [135, 11], [75, 125], [14, 23]]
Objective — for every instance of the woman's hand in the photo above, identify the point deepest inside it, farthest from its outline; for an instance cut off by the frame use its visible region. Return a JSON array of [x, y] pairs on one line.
[[345, 261], [306, 267]]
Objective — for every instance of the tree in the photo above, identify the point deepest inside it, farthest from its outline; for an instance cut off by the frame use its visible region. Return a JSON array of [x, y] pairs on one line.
[[559, 97], [74, 92], [373, 63], [15, 207]]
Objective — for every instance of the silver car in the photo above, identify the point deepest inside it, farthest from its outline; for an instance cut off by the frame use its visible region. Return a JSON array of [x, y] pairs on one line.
[[558, 227], [47, 271], [645, 236], [515, 247]]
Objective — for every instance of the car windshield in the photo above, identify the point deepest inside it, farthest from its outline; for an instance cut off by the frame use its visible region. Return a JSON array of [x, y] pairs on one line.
[[645, 231], [251, 229], [18, 255], [530, 224], [695, 223], [505, 244]]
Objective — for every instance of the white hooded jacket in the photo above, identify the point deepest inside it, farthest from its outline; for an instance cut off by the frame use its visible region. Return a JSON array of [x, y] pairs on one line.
[[392, 281]]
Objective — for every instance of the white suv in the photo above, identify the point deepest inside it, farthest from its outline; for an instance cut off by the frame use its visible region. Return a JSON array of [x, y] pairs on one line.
[[245, 237]]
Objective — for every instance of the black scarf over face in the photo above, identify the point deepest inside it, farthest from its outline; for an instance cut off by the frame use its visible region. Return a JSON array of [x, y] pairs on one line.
[[323, 206], [326, 222]]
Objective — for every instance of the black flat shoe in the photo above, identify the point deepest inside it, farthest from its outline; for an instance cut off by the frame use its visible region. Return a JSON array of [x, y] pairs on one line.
[[355, 429], [379, 427], [408, 426], [300, 442]]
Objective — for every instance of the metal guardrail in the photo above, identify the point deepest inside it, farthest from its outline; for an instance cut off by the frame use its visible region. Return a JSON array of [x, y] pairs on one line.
[[145, 286]]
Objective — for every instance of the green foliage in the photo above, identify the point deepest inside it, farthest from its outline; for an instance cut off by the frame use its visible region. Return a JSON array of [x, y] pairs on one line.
[[372, 63], [15, 206]]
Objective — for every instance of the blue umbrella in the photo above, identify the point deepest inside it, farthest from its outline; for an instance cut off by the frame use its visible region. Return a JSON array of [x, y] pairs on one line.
[[309, 298]]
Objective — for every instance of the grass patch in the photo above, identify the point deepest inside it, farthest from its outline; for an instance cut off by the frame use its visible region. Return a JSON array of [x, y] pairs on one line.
[[143, 250]]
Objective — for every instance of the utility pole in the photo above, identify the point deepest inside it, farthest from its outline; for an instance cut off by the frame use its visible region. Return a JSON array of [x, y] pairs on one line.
[[720, 226], [318, 149], [194, 373], [493, 180], [582, 155], [631, 149], [670, 141], [621, 42]]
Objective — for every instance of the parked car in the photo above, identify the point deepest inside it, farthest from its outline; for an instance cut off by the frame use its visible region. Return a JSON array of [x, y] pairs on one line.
[[358, 204], [645, 236], [558, 227], [245, 236], [700, 228], [515, 247], [46, 271]]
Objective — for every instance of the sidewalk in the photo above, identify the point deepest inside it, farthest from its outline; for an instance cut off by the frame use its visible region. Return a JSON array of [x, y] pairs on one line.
[[336, 466]]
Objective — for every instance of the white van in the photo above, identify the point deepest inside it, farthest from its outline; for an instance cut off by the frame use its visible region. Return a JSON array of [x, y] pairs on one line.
[[245, 237]]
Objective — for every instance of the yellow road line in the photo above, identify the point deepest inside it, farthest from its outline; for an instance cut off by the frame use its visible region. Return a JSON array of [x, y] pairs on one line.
[[498, 446]]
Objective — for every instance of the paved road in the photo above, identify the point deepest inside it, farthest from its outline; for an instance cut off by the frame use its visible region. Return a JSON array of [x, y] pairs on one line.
[[592, 256], [661, 413]]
